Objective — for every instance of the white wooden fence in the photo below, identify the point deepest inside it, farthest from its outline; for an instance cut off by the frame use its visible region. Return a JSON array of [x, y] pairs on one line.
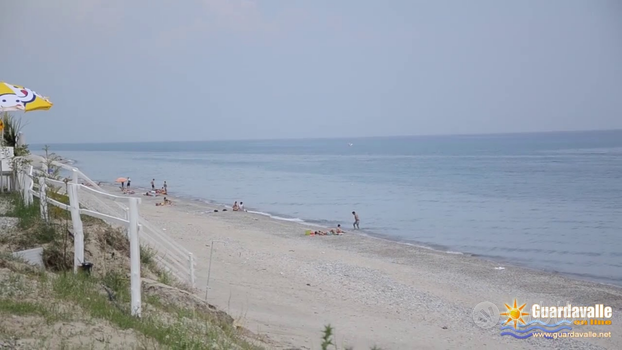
[[116, 210]]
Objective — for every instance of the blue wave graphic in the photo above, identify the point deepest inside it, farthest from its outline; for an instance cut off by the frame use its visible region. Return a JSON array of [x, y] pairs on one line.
[[546, 324], [539, 322], [536, 327], [517, 336]]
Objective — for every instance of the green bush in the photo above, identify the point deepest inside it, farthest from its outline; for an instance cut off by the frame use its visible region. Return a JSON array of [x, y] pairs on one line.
[[12, 127], [327, 340]]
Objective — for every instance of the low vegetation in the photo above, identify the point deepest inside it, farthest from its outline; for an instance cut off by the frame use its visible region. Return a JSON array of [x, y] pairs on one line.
[[9, 137], [91, 310]]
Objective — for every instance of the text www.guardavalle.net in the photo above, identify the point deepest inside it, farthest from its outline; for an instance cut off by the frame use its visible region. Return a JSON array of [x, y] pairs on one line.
[[572, 335]]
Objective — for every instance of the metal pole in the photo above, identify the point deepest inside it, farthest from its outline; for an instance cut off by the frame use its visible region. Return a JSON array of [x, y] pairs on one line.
[[209, 268], [135, 283], [191, 270]]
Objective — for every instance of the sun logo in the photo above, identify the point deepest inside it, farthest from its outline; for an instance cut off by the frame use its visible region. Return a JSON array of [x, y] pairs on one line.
[[514, 313]]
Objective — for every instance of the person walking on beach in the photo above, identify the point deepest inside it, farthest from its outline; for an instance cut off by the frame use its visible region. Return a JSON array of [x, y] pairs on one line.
[[153, 184], [356, 220], [129, 181]]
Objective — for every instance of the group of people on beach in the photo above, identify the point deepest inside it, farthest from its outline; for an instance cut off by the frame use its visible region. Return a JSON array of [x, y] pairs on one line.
[[157, 191], [163, 190], [335, 231], [238, 207], [126, 188], [153, 193]]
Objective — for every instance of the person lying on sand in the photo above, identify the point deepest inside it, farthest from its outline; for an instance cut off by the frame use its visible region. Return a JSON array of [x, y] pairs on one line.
[[316, 233], [236, 207], [337, 231], [166, 202]]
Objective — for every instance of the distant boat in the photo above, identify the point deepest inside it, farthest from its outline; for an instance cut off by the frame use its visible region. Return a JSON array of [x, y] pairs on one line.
[[350, 144]]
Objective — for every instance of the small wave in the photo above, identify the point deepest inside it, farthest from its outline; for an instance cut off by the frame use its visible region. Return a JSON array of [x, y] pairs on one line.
[[452, 252], [276, 217]]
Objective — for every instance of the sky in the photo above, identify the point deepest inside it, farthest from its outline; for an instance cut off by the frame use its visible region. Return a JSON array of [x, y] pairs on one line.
[[159, 70]]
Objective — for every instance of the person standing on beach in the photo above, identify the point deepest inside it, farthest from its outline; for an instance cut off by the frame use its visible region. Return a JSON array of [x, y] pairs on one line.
[[129, 181], [356, 220], [165, 189], [153, 184]]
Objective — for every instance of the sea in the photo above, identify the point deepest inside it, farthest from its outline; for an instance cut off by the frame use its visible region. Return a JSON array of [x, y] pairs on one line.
[[547, 201]]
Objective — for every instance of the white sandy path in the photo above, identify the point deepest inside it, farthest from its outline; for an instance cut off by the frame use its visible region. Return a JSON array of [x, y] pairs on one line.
[[374, 292]]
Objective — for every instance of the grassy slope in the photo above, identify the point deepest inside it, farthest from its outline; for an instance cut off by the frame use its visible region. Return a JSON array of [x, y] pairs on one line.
[[55, 309]]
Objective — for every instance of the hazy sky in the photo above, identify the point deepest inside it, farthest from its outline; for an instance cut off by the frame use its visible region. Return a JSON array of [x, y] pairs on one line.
[[231, 69]]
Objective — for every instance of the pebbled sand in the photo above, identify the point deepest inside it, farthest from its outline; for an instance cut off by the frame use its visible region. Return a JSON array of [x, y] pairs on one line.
[[287, 286]]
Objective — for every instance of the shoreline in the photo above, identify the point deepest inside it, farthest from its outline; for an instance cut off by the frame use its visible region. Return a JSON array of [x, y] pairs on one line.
[[437, 248], [287, 286]]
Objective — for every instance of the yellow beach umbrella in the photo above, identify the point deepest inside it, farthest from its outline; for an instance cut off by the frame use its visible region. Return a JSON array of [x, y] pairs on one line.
[[18, 98]]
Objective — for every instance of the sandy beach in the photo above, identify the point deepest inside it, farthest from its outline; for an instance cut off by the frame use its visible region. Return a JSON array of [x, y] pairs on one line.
[[282, 284]]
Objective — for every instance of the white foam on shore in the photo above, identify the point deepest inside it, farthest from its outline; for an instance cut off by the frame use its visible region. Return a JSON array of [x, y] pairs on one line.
[[452, 252], [277, 217], [408, 243]]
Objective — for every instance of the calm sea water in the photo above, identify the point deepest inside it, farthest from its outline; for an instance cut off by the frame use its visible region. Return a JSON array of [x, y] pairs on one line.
[[549, 201]]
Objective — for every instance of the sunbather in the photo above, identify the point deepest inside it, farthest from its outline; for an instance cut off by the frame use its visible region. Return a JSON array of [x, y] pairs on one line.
[[236, 207], [166, 202], [337, 231]]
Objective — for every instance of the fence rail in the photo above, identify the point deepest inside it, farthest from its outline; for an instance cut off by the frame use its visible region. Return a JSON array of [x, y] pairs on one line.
[[87, 198]]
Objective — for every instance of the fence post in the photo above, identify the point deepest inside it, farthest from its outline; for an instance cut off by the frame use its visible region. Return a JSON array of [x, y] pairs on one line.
[[23, 184], [191, 270], [78, 235], [30, 183], [43, 200], [135, 282], [2, 178], [74, 176]]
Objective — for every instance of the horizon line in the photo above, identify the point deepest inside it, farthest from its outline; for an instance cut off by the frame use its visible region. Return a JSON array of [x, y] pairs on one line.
[[337, 138]]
